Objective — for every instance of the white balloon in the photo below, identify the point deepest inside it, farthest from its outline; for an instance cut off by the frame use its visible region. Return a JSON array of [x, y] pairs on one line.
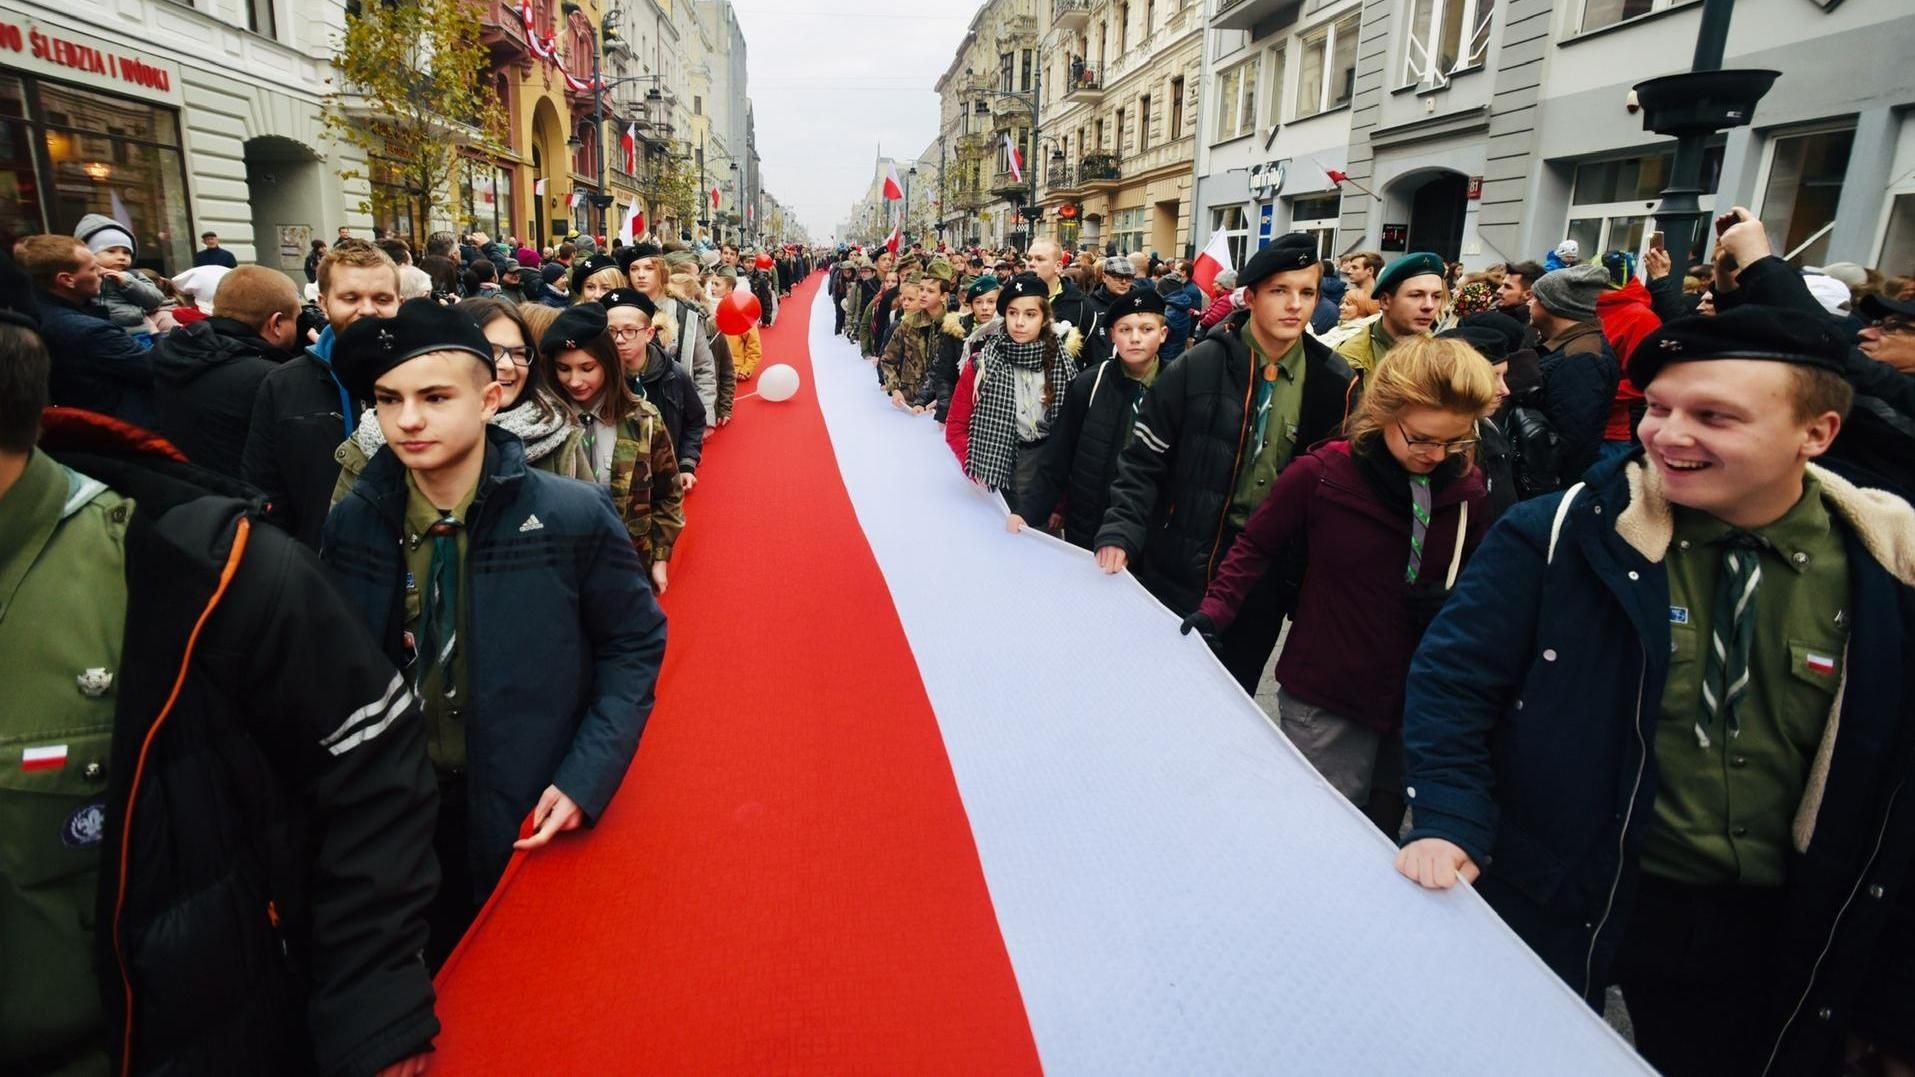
[[778, 382]]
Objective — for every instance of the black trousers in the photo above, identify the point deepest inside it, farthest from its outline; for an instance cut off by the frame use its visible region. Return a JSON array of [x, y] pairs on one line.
[[1697, 970], [454, 906], [1246, 646]]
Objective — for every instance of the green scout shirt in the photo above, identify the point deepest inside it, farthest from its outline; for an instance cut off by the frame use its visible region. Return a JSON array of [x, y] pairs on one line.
[[1725, 812], [62, 538], [445, 719], [1285, 400]]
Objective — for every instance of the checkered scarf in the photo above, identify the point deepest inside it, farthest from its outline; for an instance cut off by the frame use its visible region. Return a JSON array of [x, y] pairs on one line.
[[993, 451]]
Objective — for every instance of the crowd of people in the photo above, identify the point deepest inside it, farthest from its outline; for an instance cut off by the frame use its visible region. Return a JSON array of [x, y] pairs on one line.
[[306, 604], [1598, 577]]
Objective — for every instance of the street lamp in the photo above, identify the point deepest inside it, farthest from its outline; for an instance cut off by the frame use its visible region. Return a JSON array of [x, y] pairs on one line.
[[1032, 212]]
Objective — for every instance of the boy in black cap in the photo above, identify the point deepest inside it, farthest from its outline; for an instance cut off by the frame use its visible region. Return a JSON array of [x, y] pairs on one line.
[[1211, 436], [1676, 705], [511, 599], [1099, 414]]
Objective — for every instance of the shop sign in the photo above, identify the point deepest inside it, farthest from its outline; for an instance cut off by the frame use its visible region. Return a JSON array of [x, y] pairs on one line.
[[1475, 188], [31, 45], [1068, 211], [1396, 237], [1266, 179]]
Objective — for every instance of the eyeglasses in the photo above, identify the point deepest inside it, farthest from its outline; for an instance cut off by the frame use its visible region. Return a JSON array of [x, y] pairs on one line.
[[628, 333], [516, 356], [1424, 445], [1894, 323]]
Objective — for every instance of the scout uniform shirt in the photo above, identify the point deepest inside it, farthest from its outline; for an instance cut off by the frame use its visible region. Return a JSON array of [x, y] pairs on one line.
[[445, 712], [1724, 812], [1276, 407], [62, 617]]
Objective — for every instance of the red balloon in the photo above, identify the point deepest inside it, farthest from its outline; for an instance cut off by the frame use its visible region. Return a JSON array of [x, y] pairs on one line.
[[737, 313], [764, 261]]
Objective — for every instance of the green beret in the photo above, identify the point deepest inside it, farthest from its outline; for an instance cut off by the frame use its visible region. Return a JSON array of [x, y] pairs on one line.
[[1419, 264]]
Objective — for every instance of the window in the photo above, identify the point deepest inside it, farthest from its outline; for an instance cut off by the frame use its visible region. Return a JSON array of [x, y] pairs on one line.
[[1445, 37], [1025, 59], [1610, 200], [1898, 246], [1317, 217], [485, 197], [1601, 13], [1007, 72], [1327, 75], [1143, 123], [698, 105], [1176, 108], [1237, 101], [1127, 230], [96, 153], [1805, 181], [1123, 27], [1117, 134], [259, 17], [1277, 72], [1234, 223]]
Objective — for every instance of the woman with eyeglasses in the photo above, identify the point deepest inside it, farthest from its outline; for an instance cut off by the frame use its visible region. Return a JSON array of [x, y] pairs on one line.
[[1381, 521], [554, 440]]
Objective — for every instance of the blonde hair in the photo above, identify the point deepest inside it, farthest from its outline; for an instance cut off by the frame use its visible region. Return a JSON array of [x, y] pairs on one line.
[[1365, 306], [538, 318], [1428, 372], [611, 276]]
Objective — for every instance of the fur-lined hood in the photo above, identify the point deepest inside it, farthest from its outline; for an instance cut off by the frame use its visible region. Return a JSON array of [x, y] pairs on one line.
[[953, 325]]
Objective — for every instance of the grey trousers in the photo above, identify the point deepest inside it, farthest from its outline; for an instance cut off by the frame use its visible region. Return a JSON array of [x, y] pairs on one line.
[[1343, 750]]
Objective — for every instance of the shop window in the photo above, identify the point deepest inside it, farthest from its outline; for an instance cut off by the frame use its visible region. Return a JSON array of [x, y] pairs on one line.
[[1445, 37], [1804, 184], [1127, 230], [1237, 101], [19, 185], [1611, 201], [1234, 223], [1318, 218], [1327, 74], [117, 157]]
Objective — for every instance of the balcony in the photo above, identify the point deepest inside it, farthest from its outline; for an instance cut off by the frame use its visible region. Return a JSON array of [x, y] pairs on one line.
[[1061, 181], [972, 143], [1085, 87], [1099, 172], [1018, 28], [1070, 14], [1244, 14], [502, 31], [1010, 188]]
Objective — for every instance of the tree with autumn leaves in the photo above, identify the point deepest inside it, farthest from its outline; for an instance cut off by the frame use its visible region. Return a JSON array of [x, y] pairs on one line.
[[413, 89]]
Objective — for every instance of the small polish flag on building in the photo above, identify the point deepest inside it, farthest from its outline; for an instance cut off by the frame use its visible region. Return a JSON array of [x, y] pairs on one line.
[[48, 757], [893, 190], [629, 140], [577, 199], [714, 198], [538, 188], [1016, 158], [1215, 259]]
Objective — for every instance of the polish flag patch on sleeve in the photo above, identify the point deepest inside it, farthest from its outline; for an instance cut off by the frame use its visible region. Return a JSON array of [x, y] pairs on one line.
[[1819, 663], [46, 757]]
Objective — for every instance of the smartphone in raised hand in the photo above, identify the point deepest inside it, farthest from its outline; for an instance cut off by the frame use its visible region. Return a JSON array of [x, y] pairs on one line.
[[1656, 241]]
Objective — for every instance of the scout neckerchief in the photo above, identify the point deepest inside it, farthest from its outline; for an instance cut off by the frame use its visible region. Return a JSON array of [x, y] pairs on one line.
[[439, 617], [1419, 524], [1725, 672]]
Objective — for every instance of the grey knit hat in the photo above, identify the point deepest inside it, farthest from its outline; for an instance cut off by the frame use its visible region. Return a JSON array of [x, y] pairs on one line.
[[1571, 293]]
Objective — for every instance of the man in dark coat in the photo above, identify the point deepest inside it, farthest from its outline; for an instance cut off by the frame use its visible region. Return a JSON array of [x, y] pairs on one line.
[[303, 410], [1580, 370], [1213, 433], [1666, 722], [1068, 301], [96, 365], [212, 254], [224, 848], [207, 374], [1119, 280]]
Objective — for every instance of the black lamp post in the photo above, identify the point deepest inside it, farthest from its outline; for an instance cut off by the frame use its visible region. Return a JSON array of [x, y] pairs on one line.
[[1692, 106]]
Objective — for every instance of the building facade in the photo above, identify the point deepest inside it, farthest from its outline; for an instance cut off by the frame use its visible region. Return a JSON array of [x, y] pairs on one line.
[[987, 100], [175, 121], [1492, 131]]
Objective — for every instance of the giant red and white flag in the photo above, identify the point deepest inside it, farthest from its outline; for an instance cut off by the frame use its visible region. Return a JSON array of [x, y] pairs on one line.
[[1015, 158], [904, 838], [893, 191], [1215, 259], [629, 142]]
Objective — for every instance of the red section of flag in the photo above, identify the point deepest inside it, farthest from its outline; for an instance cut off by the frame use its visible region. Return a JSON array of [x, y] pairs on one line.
[[892, 241], [48, 757], [714, 198], [1335, 176], [766, 894], [629, 141], [1820, 663]]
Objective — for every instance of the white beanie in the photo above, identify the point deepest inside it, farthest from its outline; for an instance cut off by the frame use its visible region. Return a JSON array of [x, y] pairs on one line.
[[199, 283], [1569, 250], [99, 232], [1831, 293]]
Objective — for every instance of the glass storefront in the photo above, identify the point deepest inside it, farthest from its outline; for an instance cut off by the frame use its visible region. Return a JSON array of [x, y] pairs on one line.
[[67, 152]]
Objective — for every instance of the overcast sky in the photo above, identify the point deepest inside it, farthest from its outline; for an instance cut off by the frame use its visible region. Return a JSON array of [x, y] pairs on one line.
[[833, 80]]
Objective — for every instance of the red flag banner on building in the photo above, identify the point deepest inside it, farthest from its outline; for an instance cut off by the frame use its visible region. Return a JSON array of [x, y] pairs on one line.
[[538, 187], [893, 190], [714, 198], [1016, 159], [629, 140]]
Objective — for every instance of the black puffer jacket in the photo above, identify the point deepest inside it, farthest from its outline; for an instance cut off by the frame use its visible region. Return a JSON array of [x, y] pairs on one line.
[[1071, 305], [1096, 327], [206, 376], [666, 384], [299, 418], [956, 326], [269, 797], [1080, 457], [1176, 477]]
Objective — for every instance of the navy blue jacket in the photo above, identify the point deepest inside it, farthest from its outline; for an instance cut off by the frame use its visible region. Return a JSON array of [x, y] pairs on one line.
[[1532, 704], [564, 639], [96, 365]]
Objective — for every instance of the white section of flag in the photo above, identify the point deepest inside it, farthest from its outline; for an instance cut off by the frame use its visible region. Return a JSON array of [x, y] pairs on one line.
[[538, 187], [1016, 159], [1178, 890], [1215, 259]]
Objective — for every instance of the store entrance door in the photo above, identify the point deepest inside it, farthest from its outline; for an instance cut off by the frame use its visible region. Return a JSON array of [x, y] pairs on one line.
[[1436, 215]]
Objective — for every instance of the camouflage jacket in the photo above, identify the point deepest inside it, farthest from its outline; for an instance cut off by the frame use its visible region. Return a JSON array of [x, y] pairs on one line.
[[908, 357], [645, 484]]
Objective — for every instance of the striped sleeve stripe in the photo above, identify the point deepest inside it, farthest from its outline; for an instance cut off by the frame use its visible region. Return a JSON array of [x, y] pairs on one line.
[[1155, 443], [395, 690], [369, 731]]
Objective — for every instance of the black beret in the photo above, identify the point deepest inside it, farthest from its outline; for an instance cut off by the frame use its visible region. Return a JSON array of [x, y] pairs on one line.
[[577, 326], [1286, 253], [1136, 301], [1493, 334], [1420, 264], [647, 249], [1878, 306], [1023, 286], [629, 297], [588, 266], [1745, 332], [625, 256], [371, 346]]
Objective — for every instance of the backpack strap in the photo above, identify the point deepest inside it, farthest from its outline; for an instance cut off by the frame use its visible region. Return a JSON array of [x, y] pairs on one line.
[[1562, 513], [1456, 555]]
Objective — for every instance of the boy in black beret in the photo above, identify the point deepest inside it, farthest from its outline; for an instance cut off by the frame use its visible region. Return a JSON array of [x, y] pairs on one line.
[[1676, 706], [1212, 434], [653, 376], [1096, 422], [448, 547]]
